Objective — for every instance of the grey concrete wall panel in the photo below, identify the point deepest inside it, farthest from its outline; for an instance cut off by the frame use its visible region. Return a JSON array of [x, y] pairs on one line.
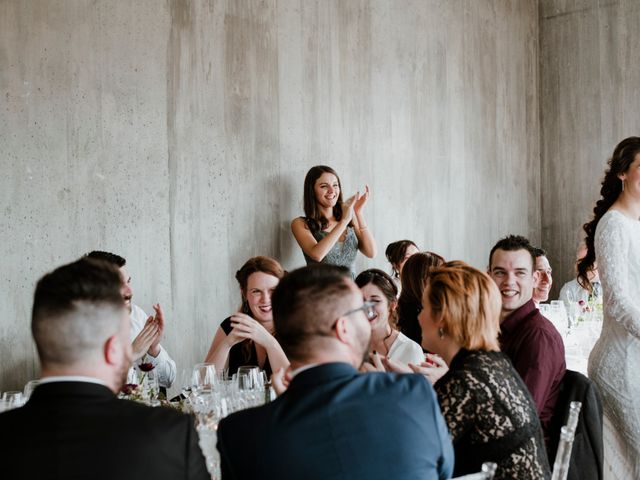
[[178, 134], [590, 80]]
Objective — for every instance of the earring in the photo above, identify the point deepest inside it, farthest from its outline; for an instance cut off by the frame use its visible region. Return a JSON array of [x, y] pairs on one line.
[[622, 184], [441, 332]]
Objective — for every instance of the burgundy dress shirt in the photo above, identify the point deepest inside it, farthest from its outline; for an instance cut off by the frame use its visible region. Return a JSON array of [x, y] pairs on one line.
[[537, 352]]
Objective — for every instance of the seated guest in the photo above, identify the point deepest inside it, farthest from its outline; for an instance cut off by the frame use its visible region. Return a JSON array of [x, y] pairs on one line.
[[333, 422], [73, 425], [415, 274], [146, 331], [246, 337], [397, 254], [572, 291], [545, 280], [488, 409], [379, 289], [530, 340]]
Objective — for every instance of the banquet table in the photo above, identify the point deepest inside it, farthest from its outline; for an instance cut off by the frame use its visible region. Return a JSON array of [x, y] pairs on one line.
[[579, 324]]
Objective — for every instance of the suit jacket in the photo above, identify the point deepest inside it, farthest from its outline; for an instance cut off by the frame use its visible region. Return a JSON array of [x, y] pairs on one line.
[[80, 430], [335, 423], [587, 450]]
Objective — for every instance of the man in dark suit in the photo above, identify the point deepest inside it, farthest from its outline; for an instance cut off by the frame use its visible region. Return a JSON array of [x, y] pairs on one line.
[[333, 422], [73, 426]]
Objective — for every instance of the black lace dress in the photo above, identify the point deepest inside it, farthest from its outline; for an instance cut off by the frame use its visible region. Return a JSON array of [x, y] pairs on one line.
[[492, 417]]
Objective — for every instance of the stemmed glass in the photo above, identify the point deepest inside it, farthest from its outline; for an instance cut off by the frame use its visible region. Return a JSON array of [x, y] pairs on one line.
[[12, 399], [28, 389], [204, 378]]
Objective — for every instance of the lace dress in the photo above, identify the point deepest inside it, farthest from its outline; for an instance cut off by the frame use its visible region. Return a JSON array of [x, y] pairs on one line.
[[614, 363], [492, 417]]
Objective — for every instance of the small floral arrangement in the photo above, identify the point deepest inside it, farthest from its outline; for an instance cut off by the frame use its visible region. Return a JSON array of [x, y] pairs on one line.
[[589, 307], [143, 391]]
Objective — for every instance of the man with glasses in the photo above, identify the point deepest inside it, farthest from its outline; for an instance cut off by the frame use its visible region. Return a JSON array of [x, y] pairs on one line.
[[332, 421]]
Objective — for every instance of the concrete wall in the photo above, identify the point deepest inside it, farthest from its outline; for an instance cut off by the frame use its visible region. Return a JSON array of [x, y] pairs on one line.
[[590, 79], [178, 134]]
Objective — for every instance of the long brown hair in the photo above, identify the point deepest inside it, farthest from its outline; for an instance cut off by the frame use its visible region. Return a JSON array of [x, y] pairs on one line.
[[313, 217], [263, 264], [622, 158], [415, 275]]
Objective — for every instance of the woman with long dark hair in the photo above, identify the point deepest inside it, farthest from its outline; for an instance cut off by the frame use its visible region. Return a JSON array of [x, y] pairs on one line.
[[414, 278], [332, 230], [247, 337], [613, 239]]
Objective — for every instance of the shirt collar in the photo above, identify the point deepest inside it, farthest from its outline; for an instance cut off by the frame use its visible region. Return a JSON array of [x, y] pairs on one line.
[[71, 378], [517, 316]]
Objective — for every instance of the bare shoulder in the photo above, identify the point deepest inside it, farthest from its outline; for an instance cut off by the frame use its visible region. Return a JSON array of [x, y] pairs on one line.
[[299, 223]]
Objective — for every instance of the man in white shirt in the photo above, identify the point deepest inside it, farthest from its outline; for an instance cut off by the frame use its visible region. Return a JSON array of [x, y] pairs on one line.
[[146, 331], [73, 425], [542, 288]]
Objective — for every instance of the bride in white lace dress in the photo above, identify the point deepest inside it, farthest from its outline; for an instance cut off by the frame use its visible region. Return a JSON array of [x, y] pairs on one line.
[[613, 237]]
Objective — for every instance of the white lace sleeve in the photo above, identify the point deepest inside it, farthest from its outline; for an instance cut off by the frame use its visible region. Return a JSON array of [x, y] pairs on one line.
[[614, 244]]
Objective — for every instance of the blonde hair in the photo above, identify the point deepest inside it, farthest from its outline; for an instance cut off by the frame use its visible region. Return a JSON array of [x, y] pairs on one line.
[[468, 302]]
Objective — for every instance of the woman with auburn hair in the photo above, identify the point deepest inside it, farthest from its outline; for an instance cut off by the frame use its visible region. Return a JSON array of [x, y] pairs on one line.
[[247, 337], [378, 288], [613, 239], [332, 231], [489, 411], [415, 274]]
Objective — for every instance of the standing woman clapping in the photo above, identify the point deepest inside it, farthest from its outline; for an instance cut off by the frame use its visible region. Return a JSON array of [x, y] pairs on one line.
[[332, 231]]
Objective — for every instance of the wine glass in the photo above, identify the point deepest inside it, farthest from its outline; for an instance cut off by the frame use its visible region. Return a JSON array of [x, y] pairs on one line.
[[28, 389], [13, 399], [204, 377], [248, 377]]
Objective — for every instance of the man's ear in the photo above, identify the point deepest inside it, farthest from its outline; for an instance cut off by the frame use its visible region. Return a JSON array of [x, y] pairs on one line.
[[343, 330], [112, 350]]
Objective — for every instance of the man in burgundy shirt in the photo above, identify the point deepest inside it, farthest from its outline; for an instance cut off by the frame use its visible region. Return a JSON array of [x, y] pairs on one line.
[[530, 340]]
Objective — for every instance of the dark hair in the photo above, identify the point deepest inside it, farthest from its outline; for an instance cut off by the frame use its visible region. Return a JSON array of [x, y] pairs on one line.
[[305, 305], [415, 275], [107, 257], [512, 243], [622, 158], [386, 285], [313, 217], [539, 252], [263, 264], [72, 307], [395, 253]]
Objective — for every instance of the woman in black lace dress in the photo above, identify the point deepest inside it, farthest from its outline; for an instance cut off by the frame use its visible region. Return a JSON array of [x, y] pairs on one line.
[[490, 413]]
